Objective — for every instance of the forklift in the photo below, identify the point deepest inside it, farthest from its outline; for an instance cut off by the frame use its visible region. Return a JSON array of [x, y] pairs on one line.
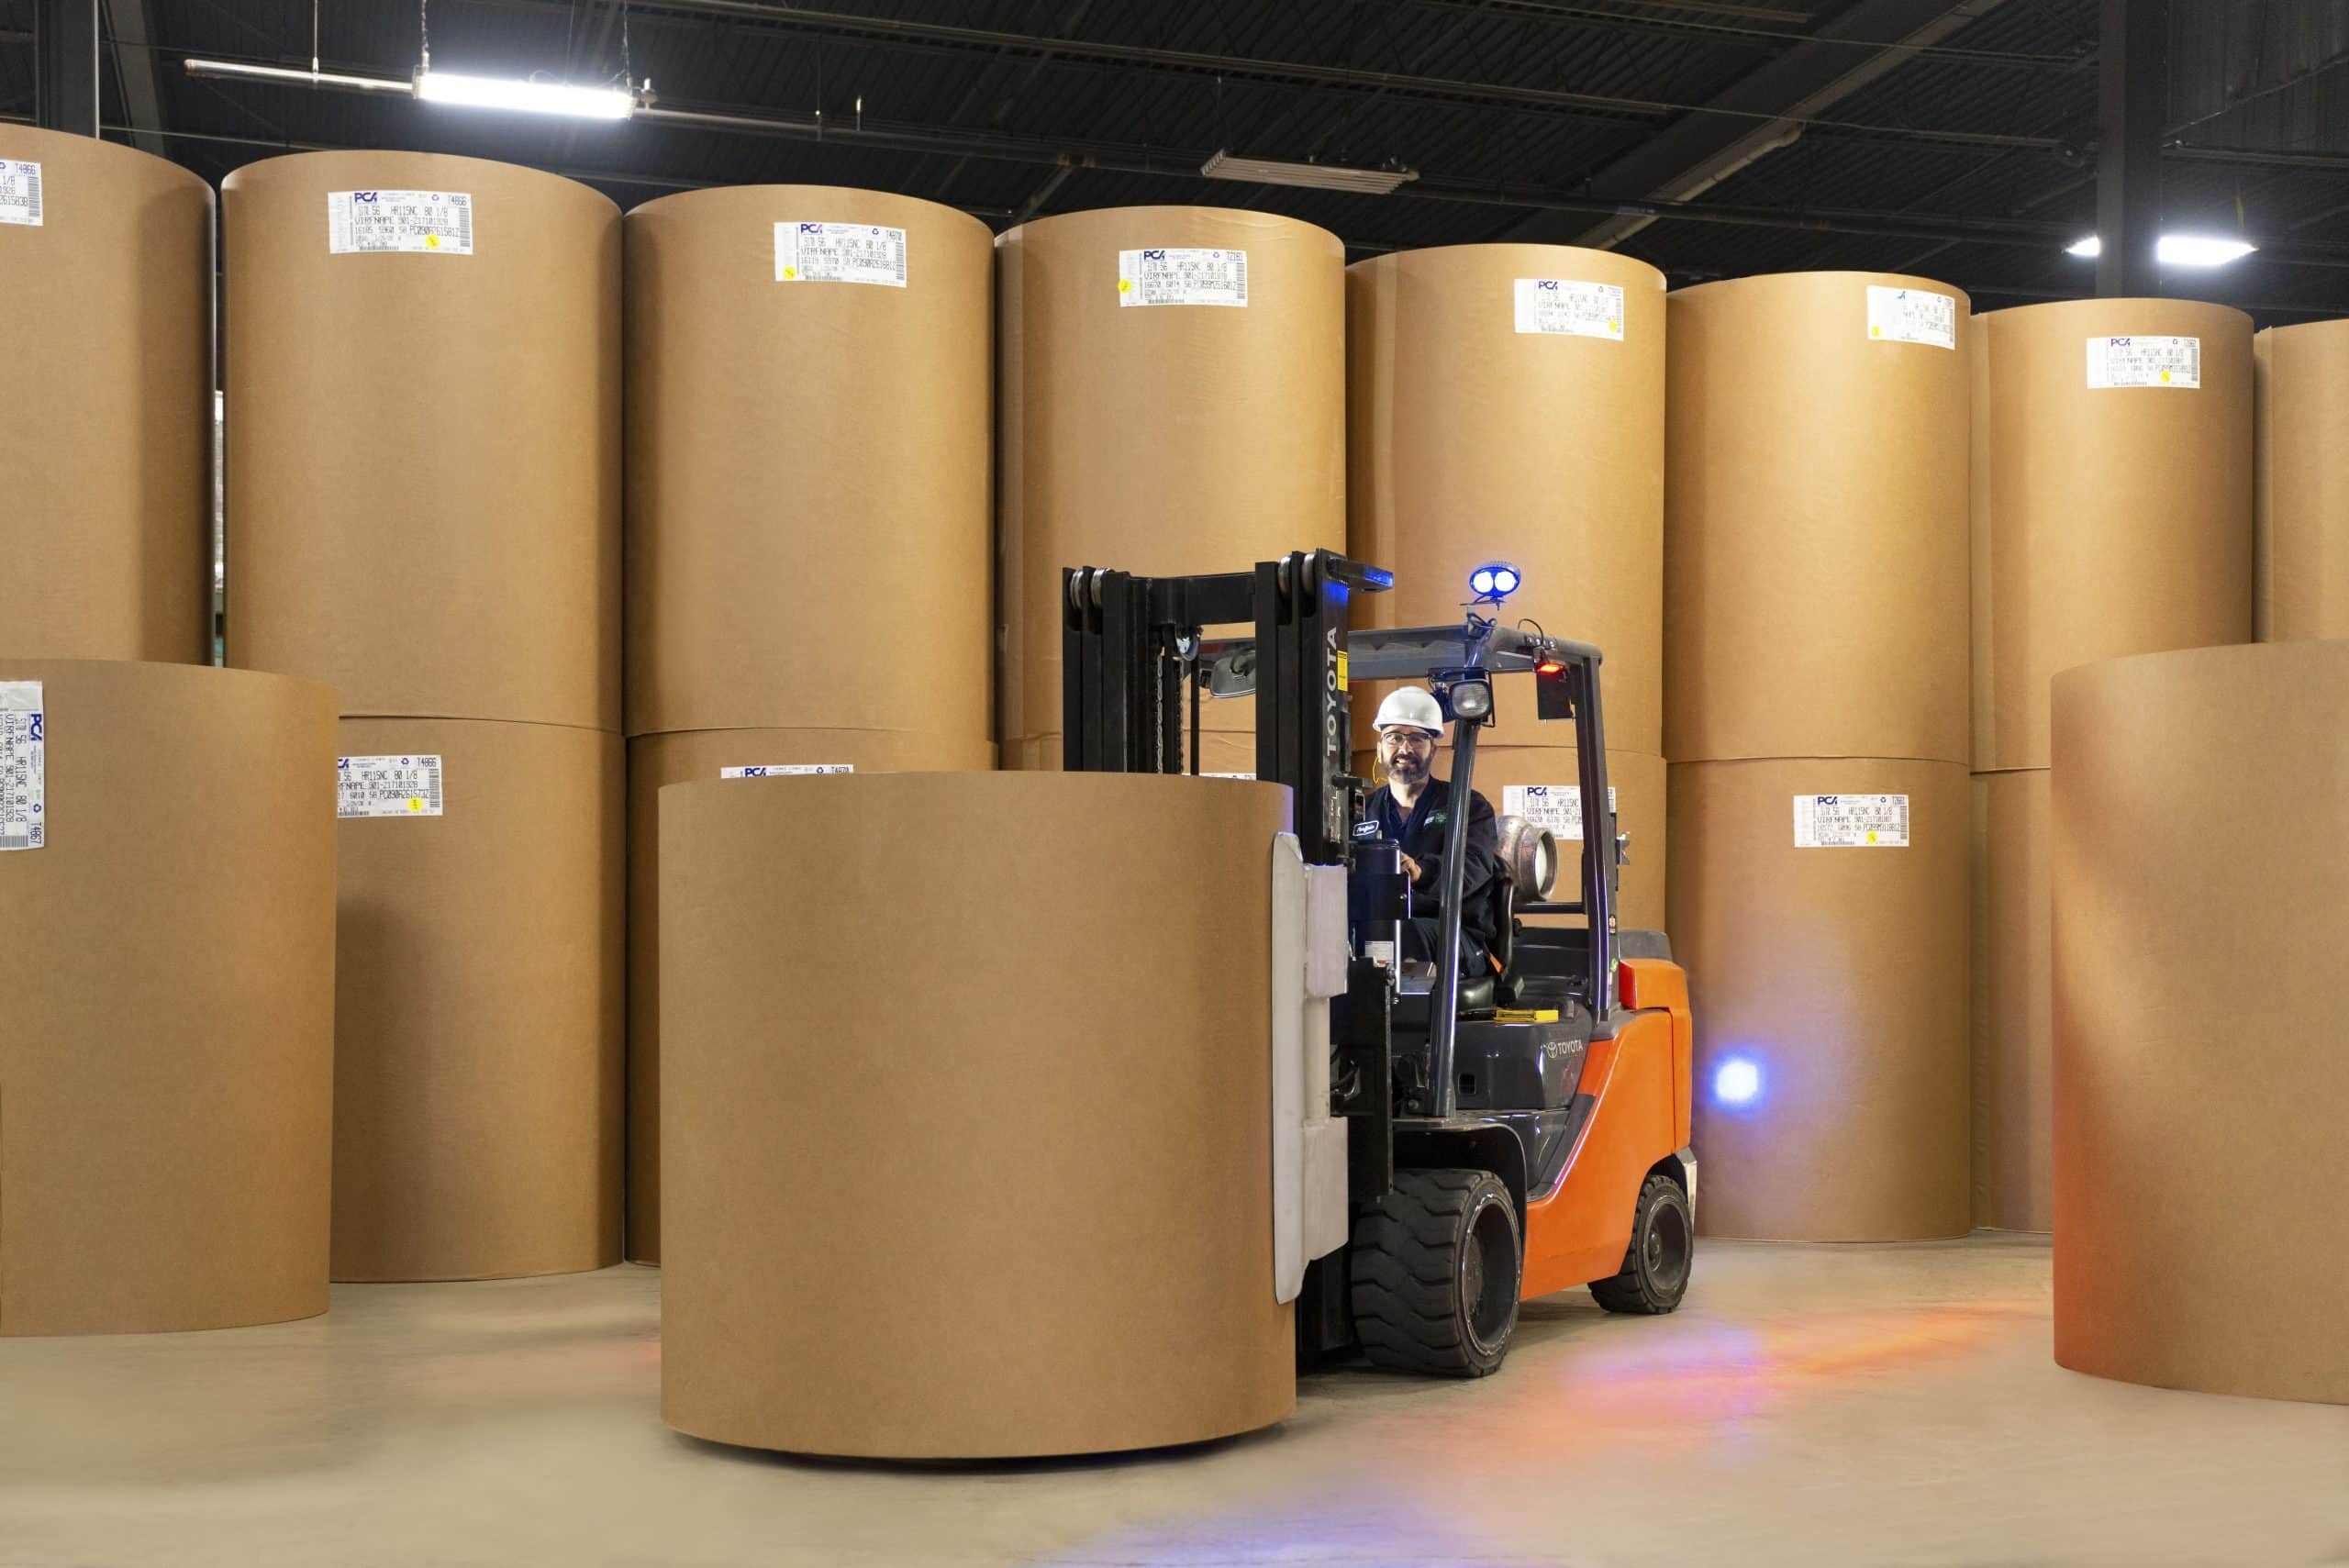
[[1502, 1135]]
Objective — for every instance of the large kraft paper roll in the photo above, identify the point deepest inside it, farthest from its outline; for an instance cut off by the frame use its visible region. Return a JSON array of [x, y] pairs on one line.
[[2302, 423], [2201, 1091], [809, 434], [167, 1066], [1815, 519], [1161, 438], [655, 762], [1506, 402], [1031, 1213], [105, 401], [2014, 1114], [423, 438], [477, 1051], [1539, 782], [2118, 516], [1834, 978]]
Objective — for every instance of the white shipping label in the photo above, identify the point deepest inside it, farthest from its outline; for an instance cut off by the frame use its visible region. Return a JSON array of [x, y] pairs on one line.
[[840, 253], [785, 769], [19, 192], [1250, 777], [388, 786], [1851, 822], [1574, 309], [2145, 361], [1557, 808], [430, 223], [24, 744], [1182, 277], [1912, 315]]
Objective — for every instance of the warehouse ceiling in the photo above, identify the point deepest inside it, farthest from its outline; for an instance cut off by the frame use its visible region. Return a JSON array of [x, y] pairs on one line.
[[1712, 137]]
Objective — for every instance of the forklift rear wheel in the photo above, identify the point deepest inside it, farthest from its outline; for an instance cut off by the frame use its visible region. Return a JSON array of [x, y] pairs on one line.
[[1435, 1271], [1663, 1246]]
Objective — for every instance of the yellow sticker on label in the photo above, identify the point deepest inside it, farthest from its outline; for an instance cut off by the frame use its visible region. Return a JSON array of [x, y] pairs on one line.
[[415, 804], [789, 273], [2165, 378], [1871, 836], [1125, 286], [432, 242], [1875, 331]]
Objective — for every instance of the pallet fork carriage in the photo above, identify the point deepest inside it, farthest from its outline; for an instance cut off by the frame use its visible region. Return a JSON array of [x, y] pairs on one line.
[[1506, 1134]]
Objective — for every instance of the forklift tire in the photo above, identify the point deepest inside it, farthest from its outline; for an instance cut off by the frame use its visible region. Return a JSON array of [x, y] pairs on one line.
[[1663, 1246], [1436, 1265]]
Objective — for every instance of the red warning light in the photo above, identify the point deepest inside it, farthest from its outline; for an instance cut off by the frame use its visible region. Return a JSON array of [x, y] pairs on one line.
[[1548, 667]]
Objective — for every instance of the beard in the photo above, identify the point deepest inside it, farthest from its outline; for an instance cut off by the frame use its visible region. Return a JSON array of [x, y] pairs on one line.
[[1410, 768]]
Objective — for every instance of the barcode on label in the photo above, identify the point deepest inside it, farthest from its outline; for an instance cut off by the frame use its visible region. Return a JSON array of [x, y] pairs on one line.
[[1851, 821], [786, 769], [24, 783], [388, 786], [425, 223], [840, 253], [20, 193]]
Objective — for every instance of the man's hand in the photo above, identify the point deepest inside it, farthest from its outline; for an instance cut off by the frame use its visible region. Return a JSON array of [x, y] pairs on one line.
[[1410, 866]]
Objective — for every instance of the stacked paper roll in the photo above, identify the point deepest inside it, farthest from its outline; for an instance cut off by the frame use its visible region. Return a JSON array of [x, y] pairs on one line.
[[2201, 1118], [167, 910], [106, 402], [1173, 402], [1506, 403], [2302, 480], [1056, 1238], [2112, 515], [430, 520], [811, 414], [1815, 713]]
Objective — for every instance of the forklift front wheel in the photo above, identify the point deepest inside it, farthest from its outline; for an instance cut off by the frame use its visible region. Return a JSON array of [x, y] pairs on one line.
[[1663, 1246], [1435, 1270]]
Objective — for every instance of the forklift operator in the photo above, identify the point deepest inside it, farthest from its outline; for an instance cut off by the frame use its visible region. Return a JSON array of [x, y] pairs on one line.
[[1413, 810]]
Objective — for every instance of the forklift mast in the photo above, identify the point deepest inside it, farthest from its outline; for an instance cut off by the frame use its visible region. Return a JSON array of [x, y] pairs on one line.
[[1130, 645]]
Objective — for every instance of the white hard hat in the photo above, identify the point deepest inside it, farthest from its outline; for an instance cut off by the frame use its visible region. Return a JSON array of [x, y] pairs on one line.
[[1410, 708]]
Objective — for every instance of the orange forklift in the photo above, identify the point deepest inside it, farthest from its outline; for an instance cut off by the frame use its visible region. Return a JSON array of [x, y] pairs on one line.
[[1505, 1134]]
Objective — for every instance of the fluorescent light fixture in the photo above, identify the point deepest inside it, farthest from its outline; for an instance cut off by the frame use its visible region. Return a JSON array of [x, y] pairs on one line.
[[531, 97], [1314, 176], [2179, 250], [294, 76]]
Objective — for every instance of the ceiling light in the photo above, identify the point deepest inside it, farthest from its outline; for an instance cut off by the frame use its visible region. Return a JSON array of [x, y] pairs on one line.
[[240, 71], [1316, 176], [2179, 250], [531, 97]]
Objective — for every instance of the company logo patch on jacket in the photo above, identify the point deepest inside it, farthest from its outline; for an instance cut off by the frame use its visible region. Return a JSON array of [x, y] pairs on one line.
[[1435, 819]]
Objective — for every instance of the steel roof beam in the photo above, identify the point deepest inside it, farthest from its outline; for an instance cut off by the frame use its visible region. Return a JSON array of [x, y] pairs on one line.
[[1761, 112]]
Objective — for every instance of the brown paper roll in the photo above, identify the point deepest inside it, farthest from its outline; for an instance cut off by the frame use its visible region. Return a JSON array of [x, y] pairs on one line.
[[424, 450], [1472, 439], [2201, 1093], [1158, 439], [1040, 1221], [1840, 975], [1639, 784], [477, 1056], [2118, 519], [804, 457], [655, 762], [2303, 481], [167, 1073], [107, 405], [2013, 1039], [1815, 523]]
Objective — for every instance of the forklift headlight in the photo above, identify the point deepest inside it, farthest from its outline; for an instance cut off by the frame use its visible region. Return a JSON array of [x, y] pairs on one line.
[[1471, 700]]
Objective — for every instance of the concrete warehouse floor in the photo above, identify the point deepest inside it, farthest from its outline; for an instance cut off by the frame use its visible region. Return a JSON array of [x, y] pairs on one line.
[[1809, 1404]]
